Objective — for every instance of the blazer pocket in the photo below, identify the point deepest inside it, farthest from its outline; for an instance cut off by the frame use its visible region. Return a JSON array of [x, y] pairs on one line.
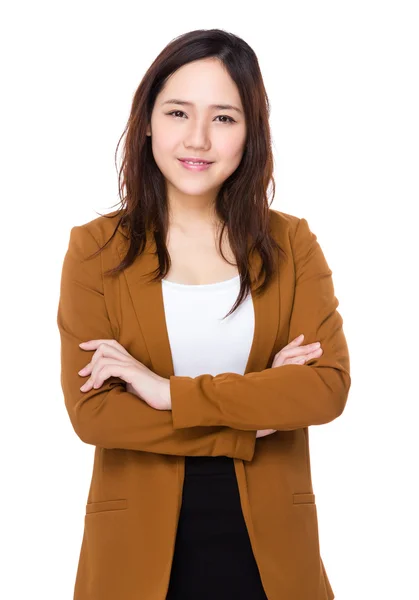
[[105, 505], [304, 498]]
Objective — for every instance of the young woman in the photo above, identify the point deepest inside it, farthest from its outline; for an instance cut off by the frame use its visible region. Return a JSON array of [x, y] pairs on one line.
[[199, 341]]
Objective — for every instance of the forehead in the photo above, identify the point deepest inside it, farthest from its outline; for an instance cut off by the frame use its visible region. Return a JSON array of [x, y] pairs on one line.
[[203, 83]]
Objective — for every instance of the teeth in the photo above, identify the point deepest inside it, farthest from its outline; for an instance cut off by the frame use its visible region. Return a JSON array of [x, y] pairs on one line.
[[194, 163]]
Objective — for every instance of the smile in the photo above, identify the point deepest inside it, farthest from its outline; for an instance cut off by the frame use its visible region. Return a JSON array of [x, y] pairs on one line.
[[194, 166]]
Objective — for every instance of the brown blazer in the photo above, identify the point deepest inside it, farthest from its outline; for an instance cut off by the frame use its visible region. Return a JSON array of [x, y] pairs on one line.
[[136, 487]]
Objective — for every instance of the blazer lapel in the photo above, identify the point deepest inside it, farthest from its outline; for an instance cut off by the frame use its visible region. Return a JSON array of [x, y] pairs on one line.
[[147, 298]]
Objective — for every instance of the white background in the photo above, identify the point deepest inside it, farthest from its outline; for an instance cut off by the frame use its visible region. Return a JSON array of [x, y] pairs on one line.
[[342, 79]]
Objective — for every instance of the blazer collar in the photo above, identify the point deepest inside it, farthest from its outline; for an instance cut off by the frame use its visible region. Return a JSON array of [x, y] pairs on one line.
[[147, 299]]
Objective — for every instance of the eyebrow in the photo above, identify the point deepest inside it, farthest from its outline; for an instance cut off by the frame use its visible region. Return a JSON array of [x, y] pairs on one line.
[[217, 106]]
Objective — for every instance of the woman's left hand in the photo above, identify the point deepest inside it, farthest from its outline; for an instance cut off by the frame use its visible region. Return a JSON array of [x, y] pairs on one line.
[[112, 360]]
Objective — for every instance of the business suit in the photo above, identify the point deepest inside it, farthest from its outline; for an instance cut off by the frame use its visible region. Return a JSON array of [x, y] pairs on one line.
[[135, 494]]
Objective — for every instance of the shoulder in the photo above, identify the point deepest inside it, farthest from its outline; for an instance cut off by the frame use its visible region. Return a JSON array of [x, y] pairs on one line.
[[283, 225], [294, 235], [99, 230]]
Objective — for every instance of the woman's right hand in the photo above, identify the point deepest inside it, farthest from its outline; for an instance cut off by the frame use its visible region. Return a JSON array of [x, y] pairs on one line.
[[292, 354]]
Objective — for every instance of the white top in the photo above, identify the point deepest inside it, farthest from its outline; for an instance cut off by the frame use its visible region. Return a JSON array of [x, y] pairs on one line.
[[200, 342]]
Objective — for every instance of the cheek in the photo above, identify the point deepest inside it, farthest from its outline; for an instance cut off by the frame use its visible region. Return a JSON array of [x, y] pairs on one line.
[[230, 149], [230, 157], [164, 152], [164, 141]]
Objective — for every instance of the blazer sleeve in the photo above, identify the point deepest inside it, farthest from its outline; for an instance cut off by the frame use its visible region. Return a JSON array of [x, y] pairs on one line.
[[110, 416], [287, 397]]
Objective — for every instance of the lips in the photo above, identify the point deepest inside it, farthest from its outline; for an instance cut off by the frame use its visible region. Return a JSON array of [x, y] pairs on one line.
[[195, 160], [195, 167]]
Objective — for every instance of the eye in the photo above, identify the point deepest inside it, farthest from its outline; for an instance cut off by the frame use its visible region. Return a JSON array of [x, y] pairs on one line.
[[230, 119]]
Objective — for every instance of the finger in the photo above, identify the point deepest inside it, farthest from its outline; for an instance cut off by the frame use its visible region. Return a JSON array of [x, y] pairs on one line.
[[109, 370], [91, 345], [294, 352], [303, 359], [316, 354], [110, 351], [295, 342], [97, 380], [105, 350], [99, 364], [94, 344], [96, 369], [297, 361]]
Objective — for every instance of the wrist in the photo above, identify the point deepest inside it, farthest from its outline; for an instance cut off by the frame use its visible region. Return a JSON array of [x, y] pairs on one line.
[[165, 394]]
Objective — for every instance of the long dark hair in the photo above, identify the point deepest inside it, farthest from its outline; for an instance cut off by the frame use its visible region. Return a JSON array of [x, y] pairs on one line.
[[242, 202]]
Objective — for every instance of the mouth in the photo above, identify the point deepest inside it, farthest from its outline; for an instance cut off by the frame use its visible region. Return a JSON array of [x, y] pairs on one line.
[[195, 165], [195, 162]]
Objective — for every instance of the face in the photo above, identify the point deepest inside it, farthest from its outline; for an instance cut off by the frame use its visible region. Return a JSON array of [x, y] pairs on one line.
[[197, 129]]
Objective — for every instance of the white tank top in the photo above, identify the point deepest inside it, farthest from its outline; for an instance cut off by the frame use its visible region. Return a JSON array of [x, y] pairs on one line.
[[200, 342]]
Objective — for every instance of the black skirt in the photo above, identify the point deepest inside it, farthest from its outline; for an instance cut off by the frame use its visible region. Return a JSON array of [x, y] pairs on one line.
[[213, 558]]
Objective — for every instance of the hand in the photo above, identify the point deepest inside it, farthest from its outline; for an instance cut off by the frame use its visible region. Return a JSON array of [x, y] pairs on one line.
[[160, 396], [292, 354], [264, 432], [110, 359]]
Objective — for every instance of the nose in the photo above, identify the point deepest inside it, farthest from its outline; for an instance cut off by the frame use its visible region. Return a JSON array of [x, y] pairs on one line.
[[198, 135]]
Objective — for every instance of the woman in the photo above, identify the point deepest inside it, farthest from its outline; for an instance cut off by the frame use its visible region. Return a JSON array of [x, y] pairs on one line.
[[201, 485]]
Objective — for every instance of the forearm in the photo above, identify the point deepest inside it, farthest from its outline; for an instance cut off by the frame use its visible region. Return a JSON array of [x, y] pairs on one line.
[[110, 416], [166, 399], [286, 397]]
